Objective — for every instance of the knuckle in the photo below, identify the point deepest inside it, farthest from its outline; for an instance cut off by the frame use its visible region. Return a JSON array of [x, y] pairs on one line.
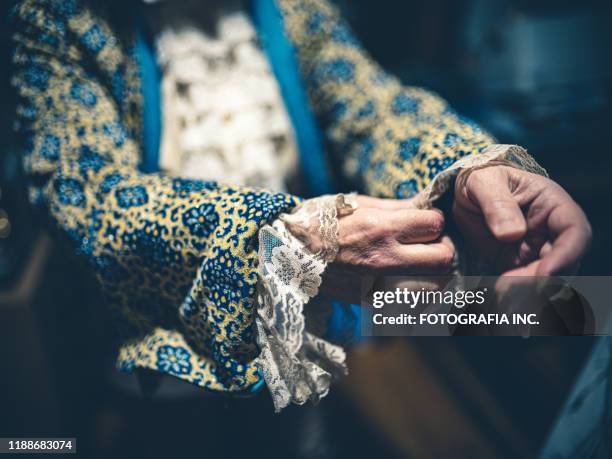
[[476, 177], [447, 256], [370, 222], [483, 179], [437, 223], [377, 230]]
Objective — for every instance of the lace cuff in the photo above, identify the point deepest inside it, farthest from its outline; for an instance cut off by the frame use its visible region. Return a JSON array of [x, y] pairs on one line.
[[510, 155], [297, 366]]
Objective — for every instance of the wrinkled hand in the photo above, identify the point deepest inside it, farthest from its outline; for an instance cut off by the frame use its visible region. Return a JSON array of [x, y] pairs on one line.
[[387, 237], [525, 223]]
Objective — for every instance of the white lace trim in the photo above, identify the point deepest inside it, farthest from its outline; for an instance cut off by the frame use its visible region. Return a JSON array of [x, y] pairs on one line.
[[293, 253], [514, 155], [297, 366]]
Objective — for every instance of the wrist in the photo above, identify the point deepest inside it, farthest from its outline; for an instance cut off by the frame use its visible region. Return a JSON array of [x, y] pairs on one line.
[[316, 223]]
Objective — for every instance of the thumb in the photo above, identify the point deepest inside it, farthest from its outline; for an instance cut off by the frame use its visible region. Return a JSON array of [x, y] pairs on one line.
[[500, 209]]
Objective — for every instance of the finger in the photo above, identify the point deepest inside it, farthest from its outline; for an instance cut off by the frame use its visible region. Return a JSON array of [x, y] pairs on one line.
[[530, 270], [426, 259], [500, 209], [530, 248], [477, 234], [565, 252], [545, 250], [399, 259], [502, 255], [414, 226], [438, 282], [448, 242], [382, 203]]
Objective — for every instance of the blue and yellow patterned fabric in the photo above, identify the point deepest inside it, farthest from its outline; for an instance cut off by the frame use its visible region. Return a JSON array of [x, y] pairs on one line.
[[387, 139], [177, 257]]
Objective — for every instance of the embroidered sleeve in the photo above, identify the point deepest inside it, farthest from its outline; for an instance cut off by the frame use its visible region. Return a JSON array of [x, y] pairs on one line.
[[176, 257], [297, 365], [391, 140]]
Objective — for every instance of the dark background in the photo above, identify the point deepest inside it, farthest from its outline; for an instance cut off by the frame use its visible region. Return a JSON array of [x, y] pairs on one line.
[[537, 73]]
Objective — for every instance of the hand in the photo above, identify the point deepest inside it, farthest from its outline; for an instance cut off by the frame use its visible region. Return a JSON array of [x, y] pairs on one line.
[[525, 223], [387, 237]]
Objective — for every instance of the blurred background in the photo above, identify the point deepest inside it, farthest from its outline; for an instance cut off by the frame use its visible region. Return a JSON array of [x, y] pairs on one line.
[[533, 72]]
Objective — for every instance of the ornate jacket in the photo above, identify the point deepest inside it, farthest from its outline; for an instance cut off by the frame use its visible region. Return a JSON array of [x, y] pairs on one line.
[[177, 257]]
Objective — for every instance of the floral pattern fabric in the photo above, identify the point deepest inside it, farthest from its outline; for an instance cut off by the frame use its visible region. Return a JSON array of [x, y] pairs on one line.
[[389, 140], [177, 257]]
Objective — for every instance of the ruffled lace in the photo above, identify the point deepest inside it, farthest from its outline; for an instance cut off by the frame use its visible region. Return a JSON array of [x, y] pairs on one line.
[[293, 253], [224, 116], [297, 365]]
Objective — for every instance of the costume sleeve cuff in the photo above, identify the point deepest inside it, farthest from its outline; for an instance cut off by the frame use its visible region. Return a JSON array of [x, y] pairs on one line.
[[297, 365], [497, 154]]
